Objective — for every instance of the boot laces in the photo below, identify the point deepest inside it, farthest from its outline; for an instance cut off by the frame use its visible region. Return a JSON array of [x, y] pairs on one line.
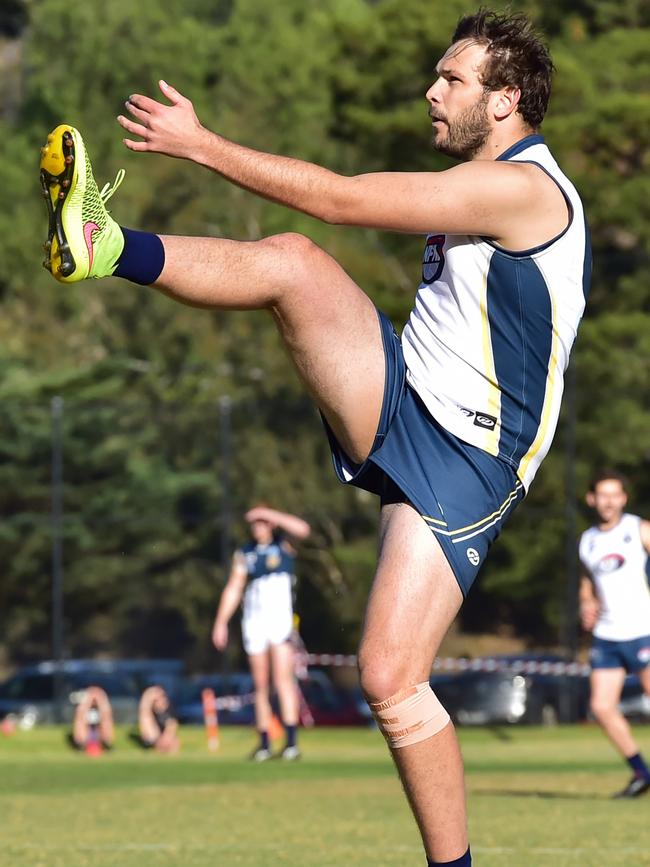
[[107, 190]]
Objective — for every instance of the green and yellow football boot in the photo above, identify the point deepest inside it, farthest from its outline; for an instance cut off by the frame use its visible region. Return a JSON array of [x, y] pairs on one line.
[[83, 240]]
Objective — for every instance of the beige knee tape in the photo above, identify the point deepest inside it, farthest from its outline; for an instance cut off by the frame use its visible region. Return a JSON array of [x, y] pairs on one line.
[[410, 716]]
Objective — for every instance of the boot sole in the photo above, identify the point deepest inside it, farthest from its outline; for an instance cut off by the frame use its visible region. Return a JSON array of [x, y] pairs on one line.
[[57, 176]]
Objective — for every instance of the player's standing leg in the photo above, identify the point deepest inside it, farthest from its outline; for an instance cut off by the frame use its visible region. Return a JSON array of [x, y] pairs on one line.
[[606, 688], [260, 670], [414, 600], [284, 680]]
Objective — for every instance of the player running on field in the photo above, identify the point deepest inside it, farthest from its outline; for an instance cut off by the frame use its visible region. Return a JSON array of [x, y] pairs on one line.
[[615, 607], [263, 573], [447, 425]]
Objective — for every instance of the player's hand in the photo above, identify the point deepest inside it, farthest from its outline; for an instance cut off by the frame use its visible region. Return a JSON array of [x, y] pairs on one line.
[[260, 513], [220, 635], [173, 130]]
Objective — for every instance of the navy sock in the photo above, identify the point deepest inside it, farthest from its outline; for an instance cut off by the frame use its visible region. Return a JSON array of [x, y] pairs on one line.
[[264, 740], [291, 735], [142, 259], [464, 861], [639, 766]]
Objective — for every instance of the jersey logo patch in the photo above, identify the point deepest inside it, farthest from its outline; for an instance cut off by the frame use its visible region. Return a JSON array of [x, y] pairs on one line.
[[272, 561], [481, 419], [433, 260], [611, 563]]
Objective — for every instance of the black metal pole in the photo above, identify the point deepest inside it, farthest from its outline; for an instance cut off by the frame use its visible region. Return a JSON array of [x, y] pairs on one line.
[[570, 637], [57, 554], [225, 438], [571, 518]]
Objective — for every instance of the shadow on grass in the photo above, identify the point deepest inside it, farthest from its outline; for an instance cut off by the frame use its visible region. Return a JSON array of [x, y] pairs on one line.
[[560, 796]]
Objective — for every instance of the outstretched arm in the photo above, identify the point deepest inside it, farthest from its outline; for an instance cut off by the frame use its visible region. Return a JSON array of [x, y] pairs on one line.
[[645, 535], [149, 731], [106, 727], [589, 605], [290, 524], [80, 721], [515, 203], [168, 741], [230, 599]]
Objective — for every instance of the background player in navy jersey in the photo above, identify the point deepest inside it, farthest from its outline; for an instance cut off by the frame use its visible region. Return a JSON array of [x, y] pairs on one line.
[[263, 573], [449, 425], [615, 606]]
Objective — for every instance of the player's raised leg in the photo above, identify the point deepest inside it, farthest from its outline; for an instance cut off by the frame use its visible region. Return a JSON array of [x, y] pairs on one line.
[[414, 599], [328, 324]]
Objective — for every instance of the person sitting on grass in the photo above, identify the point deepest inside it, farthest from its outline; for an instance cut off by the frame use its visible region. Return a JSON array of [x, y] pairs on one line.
[[157, 724], [92, 726]]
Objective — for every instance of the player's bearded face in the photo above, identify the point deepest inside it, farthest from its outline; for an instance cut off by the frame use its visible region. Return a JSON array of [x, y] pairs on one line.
[[465, 134]]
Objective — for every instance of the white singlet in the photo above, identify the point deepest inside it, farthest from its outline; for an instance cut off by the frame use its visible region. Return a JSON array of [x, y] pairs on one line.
[[616, 560], [268, 605], [488, 340], [268, 613]]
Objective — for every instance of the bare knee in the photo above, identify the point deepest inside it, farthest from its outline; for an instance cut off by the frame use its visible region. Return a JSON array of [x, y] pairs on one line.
[[262, 694], [602, 710], [283, 680], [294, 258], [381, 678], [261, 682], [291, 244]]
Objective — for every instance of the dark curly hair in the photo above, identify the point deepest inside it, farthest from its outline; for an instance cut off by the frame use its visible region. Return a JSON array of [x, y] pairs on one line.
[[516, 57], [607, 475]]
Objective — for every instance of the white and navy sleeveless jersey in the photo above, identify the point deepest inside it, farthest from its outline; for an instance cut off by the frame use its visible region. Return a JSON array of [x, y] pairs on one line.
[[488, 340], [617, 561], [267, 603], [260, 561]]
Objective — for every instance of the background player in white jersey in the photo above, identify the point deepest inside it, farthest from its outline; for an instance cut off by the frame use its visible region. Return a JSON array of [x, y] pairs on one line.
[[263, 573], [615, 606], [449, 429]]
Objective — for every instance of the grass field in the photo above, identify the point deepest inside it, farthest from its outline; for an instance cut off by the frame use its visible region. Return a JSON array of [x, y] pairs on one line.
[[538, 798]]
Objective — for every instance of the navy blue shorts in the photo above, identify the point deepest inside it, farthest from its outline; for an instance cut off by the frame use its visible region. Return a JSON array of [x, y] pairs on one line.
[[463, 493], [632, 655]]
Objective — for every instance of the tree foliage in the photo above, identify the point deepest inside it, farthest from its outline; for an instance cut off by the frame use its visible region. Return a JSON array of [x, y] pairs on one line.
[[150, 479]]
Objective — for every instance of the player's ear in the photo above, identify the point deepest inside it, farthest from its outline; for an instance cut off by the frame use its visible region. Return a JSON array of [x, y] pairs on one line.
[[506, 102], [590, 499]]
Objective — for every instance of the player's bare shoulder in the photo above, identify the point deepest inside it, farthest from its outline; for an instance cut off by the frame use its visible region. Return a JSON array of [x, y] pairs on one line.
[[519, 205]]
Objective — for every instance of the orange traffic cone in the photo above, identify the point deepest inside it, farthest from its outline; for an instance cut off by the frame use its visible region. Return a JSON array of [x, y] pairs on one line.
[[276, 729], [93, 748], [211, 719]]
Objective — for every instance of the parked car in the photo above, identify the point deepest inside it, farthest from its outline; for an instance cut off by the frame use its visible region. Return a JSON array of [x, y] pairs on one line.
[[513, 689], [328, 704], [188, 702], [332, 705], [29, 694]]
